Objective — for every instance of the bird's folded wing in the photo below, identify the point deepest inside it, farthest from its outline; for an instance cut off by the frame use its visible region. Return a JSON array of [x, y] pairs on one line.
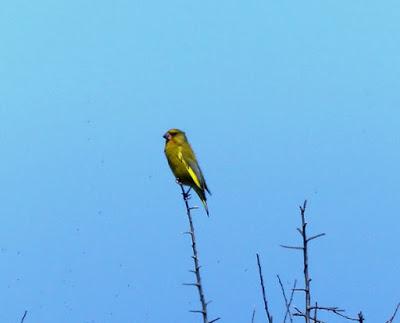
[[191, 170]]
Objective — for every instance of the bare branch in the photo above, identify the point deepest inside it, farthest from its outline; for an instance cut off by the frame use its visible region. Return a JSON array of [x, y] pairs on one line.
[[307, 290], [304, 248], [305, 262], [315, 237], [23, 317], [269, 316], [291, 247], [301, 314], [394, 314], [291, 300], [253, 315], [303, 208], [196, 271], [215, 320], [316, 311], [336, 310], [287, 303], [327, 308], [196, 311]]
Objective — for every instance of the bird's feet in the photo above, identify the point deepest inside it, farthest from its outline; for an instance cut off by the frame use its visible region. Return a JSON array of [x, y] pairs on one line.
[[186, 194]]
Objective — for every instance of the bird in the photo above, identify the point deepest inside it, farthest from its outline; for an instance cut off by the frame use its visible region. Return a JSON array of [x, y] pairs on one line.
[[184, 165]]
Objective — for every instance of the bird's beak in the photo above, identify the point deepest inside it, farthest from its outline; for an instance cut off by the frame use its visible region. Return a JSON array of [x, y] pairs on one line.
[[166, 136]]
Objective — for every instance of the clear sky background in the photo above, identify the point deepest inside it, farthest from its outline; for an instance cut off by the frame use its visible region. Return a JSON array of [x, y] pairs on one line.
[[281, 100]]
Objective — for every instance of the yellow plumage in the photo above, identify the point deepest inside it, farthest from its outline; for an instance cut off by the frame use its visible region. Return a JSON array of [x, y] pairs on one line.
[[183, 163]]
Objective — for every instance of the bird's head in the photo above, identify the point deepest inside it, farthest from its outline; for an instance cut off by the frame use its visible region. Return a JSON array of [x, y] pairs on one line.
[[175, 135]]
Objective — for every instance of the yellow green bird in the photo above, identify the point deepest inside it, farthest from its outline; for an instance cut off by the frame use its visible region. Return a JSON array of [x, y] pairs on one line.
[[183, 163]]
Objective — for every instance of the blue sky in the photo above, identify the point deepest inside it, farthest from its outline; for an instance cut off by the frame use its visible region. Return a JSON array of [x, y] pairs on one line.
[[281, 100]]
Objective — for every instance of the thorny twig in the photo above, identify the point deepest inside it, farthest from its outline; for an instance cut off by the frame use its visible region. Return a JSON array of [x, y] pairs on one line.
[[335, 310], [23, 316], [291, 300], [253, 315], [394, 314], [269, 316], [304, 249], [196, 271], [311, 318], [307, 279], [287, 303], [316, 310]]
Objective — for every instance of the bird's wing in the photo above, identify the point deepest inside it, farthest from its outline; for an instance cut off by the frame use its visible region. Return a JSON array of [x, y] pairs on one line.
[[193, 170]]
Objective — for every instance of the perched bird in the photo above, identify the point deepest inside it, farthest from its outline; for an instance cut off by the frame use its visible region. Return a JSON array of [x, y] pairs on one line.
[[183, 163]]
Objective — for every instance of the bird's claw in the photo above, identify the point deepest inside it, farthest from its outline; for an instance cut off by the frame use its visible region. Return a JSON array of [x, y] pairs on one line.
[[186, 195]]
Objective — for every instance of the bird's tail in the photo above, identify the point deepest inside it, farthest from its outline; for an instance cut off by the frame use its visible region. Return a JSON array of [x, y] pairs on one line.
[[203, 199], [205, 206]]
